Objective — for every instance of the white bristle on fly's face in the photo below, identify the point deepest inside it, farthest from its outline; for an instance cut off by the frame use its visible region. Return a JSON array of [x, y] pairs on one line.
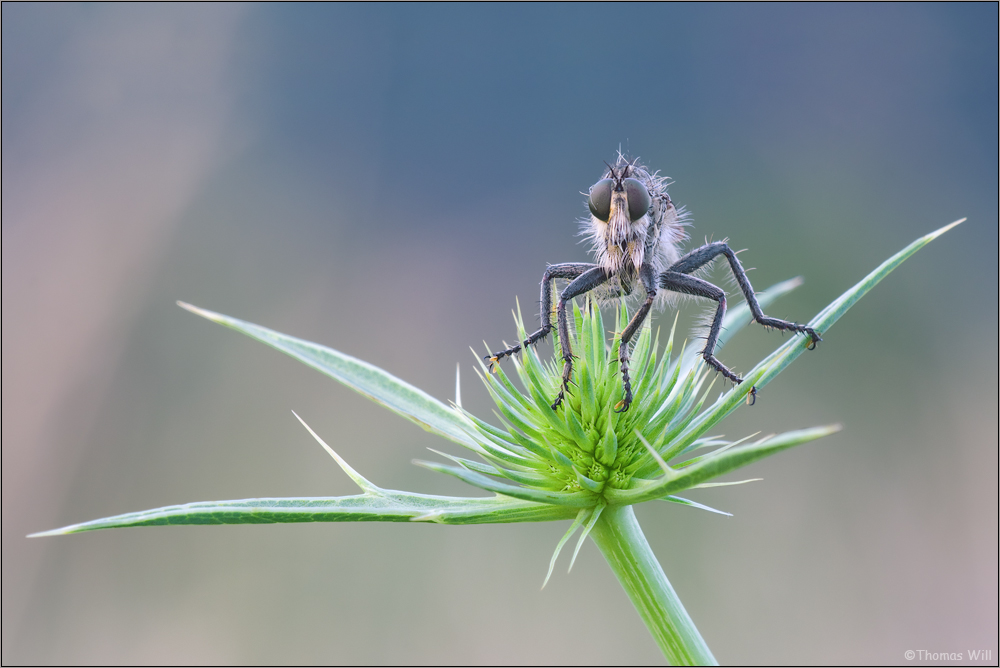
[[622, 245]]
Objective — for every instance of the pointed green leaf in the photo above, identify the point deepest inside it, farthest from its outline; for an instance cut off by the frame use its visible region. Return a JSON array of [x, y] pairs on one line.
[[726, 484], [713, 467], [562, 541], [529, 478], [787, 353], [694, 504], [722, 407], [359, 480], [570, 500], [367, 379], [478, 467], [725, 446], [390, 506], [594, 516], [774, 363]]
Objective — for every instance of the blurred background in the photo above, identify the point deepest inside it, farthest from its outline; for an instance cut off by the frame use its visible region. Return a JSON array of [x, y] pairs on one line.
[[386, 180]]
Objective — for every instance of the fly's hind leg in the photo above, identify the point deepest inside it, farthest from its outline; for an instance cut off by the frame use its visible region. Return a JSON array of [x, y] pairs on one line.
[[699, 257], [567, 270]]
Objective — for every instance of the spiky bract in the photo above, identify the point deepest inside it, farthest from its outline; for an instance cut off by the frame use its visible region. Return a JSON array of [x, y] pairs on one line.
[[586, 448]]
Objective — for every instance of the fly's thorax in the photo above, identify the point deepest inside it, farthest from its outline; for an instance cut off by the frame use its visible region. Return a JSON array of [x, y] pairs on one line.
[[666, 232]]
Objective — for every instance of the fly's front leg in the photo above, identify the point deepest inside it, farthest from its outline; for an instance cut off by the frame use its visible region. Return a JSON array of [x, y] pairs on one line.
[[586, 282], [702, 256], [567, 270], [649, 282]]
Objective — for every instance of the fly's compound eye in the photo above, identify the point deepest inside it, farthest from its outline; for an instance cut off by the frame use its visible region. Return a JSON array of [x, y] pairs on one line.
[[638, 199], [600, 199]]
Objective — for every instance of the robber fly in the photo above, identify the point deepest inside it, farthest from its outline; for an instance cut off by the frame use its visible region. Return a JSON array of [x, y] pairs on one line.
[[636, 234]]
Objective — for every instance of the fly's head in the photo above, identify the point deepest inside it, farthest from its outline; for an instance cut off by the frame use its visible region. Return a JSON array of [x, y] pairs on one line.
[[620, 208]]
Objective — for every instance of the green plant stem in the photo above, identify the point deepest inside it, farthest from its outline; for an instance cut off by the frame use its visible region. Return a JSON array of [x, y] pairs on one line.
[[620, 539]]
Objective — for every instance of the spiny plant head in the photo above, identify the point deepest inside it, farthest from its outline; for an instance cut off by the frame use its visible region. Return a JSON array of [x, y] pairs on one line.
[[586, 448], [585, 455]]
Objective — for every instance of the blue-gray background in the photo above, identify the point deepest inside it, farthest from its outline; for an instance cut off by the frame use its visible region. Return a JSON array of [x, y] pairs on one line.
[[386, 180]]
